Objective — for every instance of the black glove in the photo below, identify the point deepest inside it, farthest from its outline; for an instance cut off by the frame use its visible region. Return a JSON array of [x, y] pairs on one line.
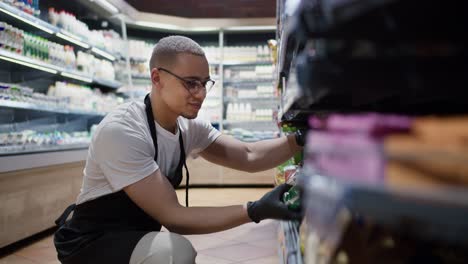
[[300, 137], [271, 206]]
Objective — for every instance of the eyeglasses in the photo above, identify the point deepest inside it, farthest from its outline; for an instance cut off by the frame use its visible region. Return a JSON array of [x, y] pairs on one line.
[[192, 85]]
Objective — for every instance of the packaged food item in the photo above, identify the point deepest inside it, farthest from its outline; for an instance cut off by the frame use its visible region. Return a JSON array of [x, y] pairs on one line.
[[346, 157], [432, 153], [425, 163], [290, 173], [279, 176], [292, 198]]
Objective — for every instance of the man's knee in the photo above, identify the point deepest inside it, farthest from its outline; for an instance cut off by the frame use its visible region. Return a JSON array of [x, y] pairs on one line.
[[176, 249], [183, 249]]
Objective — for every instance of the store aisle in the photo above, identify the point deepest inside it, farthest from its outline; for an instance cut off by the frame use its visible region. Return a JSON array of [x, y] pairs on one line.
[[250, 243]]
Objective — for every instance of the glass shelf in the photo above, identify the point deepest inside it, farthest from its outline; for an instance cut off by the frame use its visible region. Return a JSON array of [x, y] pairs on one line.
[[53, 30], [255, 99], [246, 63], [248, 82], [56, 109], [52, 69], [21, 150]]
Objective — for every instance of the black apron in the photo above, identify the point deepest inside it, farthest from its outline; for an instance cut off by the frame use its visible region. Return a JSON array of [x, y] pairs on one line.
[[107, 229]]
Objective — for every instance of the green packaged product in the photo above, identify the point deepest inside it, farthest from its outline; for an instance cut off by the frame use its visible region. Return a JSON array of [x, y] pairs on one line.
[[292, 199]]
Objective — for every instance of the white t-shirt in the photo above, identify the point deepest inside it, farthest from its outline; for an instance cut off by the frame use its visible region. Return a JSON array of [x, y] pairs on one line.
[[122, 150]]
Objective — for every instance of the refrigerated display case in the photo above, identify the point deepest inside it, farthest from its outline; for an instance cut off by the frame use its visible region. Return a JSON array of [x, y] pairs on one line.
[[55, 86]]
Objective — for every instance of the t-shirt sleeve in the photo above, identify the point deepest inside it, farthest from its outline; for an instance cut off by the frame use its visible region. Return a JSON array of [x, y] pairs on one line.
[[203, 134], [123, 154]]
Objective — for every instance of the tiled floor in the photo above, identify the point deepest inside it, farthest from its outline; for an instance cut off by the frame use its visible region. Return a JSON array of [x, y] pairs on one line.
[[247, 244]]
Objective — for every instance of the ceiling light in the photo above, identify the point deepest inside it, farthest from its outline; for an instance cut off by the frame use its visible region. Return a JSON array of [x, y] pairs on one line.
[[204, 29], [156, 25], [251, 28], [107, 6]]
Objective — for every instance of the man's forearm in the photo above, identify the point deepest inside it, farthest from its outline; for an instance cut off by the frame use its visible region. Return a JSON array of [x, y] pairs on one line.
[[267, 154], [203, 220]]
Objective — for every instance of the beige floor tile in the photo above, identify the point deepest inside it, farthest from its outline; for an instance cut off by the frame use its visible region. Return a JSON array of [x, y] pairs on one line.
[[51, 262], [267, 260], [38, 254], [204, 259], [269, 243], [47, 242], [249, 232], [14, 259], [239, 252], [201, 242]]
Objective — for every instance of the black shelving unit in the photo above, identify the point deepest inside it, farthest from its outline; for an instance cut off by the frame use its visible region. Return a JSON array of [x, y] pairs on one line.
[[352, 57]]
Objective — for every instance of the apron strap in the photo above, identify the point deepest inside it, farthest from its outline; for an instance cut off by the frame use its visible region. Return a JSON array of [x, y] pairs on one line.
[[63, 218], [152, 127], [179, 168]]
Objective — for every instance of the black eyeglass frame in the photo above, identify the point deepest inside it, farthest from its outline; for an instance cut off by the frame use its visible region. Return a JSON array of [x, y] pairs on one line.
[[193, 86]]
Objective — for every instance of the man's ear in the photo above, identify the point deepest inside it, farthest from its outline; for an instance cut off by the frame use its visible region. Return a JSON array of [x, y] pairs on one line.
[[155, 77]]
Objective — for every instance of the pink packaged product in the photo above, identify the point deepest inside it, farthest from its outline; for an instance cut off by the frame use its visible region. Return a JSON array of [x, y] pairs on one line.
[[370, 123], [350, 147], [349, 157]]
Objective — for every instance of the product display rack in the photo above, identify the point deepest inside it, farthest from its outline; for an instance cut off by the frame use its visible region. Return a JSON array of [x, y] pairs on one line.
[[35, 149], [408, 225], [42, 108], [44, 139], [289, 251], [248, 83], [9, 57], [55, 32]]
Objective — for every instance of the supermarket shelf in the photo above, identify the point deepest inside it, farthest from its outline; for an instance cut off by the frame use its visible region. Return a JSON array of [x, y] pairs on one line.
[[289, 250], [254, 122], [437, 215], [251, 125], [294, 108], [287, 50], [246, 63], [21, 150], [53, 30], [138, 60], [52, 69], [141, 77], [271, 99], [212, 98], [248, 82], [107, 83], [36, 107], [43, 158]]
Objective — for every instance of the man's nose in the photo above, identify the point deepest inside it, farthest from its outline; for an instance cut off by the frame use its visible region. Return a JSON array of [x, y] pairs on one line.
[[200, 93]]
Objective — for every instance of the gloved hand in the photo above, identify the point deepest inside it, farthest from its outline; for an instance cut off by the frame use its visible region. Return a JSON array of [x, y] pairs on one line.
[[300, 137], [271, 206]]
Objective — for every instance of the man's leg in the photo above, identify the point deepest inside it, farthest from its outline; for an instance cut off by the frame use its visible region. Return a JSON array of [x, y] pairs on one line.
[[163, 247]]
